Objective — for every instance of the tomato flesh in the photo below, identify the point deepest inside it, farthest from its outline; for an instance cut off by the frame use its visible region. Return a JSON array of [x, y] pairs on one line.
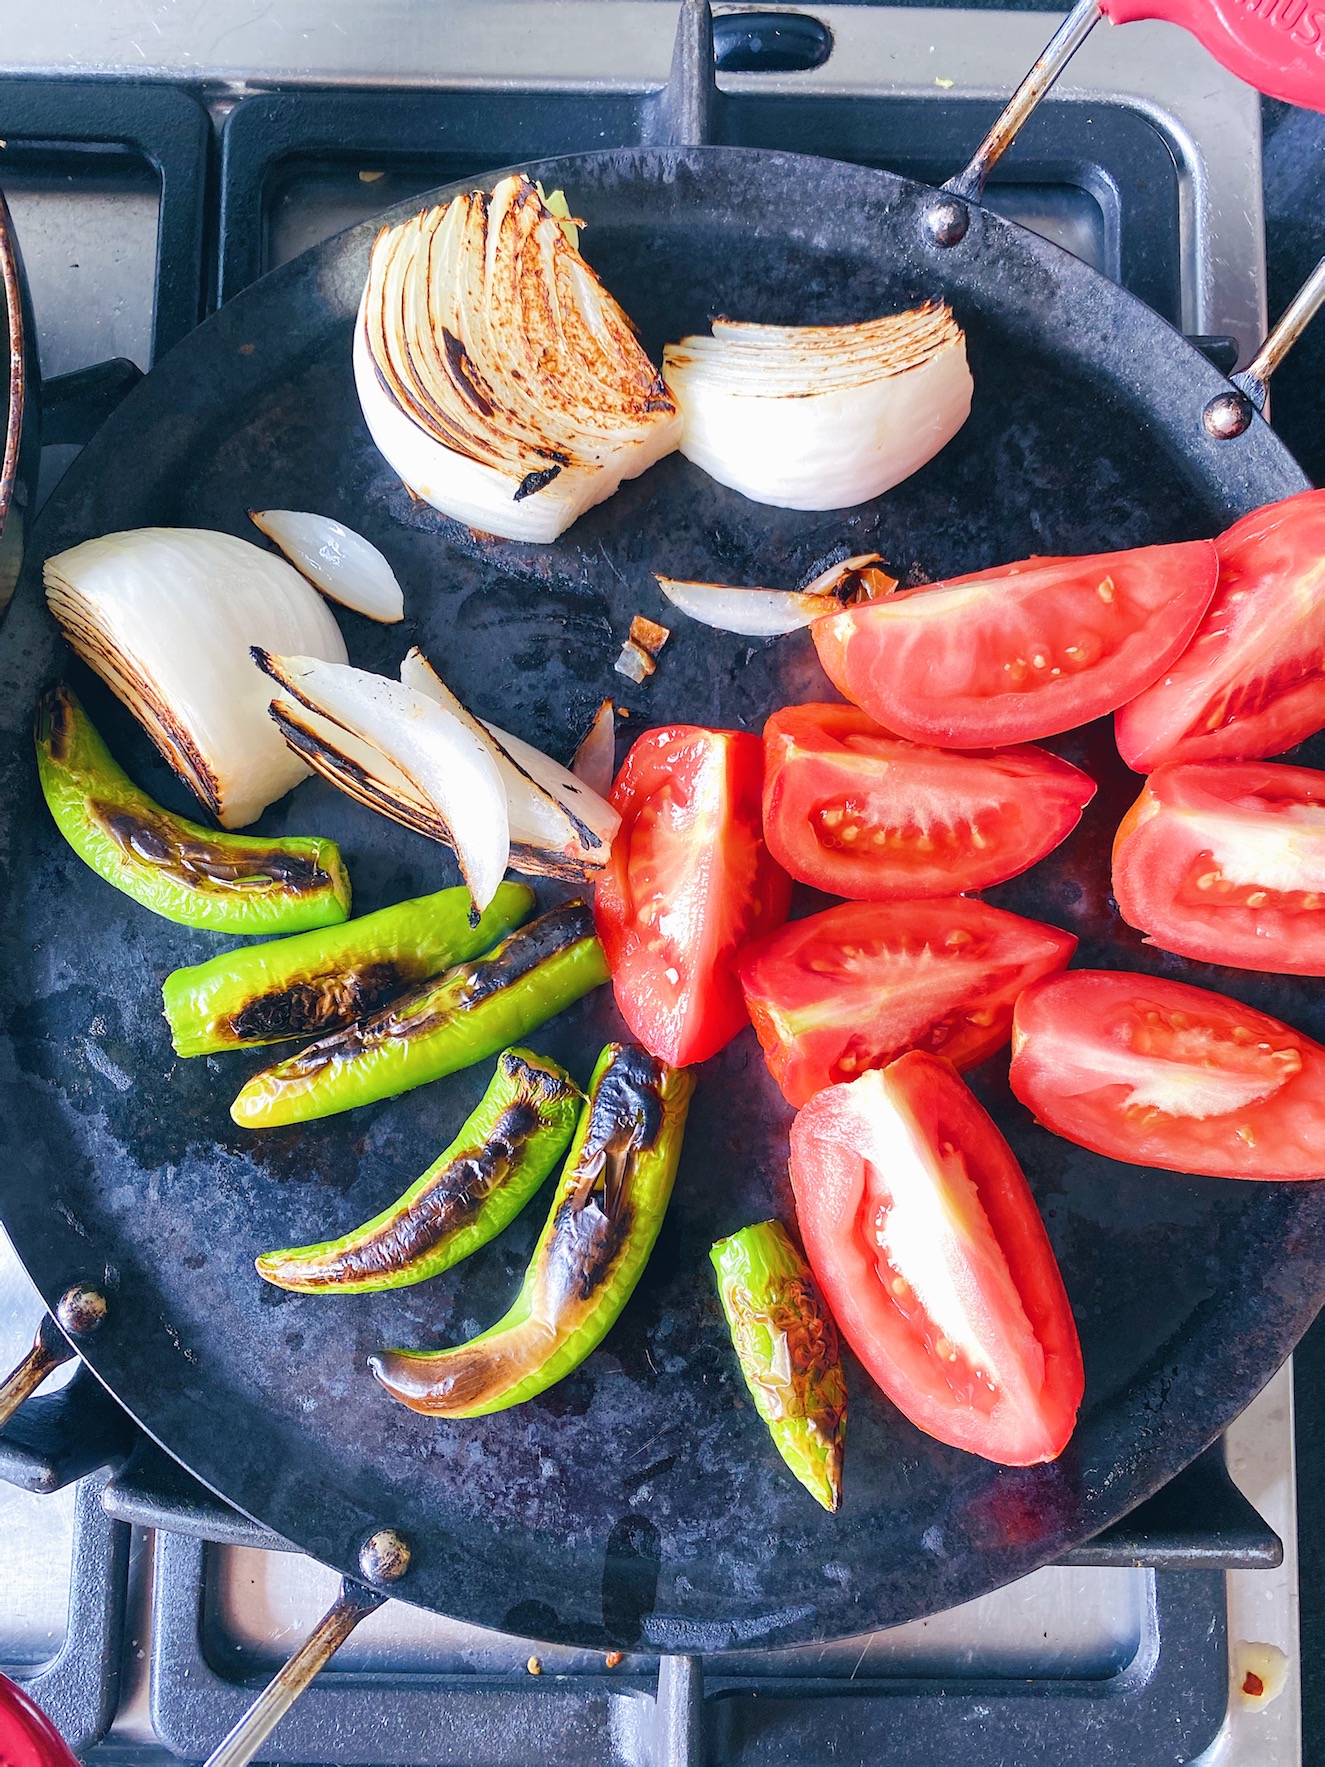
[[1159, 1073], [689, 881], [1224, 861], [1252, 682], [1013, 655], [925, 1239], [857, 812], [854, 987]]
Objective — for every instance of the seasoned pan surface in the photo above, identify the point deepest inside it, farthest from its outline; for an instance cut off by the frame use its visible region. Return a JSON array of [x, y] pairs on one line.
[[638, 1502]]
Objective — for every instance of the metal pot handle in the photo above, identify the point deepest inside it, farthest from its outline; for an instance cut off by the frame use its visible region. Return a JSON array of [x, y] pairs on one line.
[[383, 1558], [80, 1311]]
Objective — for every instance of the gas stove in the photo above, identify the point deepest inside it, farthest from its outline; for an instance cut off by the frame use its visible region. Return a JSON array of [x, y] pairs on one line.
[[157, 159]]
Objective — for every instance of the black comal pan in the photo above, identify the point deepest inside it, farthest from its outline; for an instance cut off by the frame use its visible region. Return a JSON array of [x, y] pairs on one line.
[[638, 1503]]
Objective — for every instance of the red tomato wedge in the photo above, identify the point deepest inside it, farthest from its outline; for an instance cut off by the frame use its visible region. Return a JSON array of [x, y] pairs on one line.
[[1163, 1074], [857, 812], [689, 881], [1252, 682], [1011, 655], [923, 1234], [858, 985], [1224, 861]]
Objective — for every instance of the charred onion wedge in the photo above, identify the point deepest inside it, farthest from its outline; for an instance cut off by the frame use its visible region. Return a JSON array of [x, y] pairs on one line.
[[496, 374], [166, 617]]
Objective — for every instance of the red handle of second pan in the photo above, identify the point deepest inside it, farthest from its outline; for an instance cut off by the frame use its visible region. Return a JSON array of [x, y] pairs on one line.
[[1278, 46], [27, 1736]]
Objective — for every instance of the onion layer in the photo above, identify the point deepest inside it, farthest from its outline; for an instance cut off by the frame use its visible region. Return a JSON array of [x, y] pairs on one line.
[[166, 617], [767, 613], [820, 416], [342, 564], [443, 762], [496, 374]]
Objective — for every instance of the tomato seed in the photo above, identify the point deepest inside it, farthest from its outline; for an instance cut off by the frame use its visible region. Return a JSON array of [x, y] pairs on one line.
[[1106, 590], [1256, 899], [1207, 880], [851, 834], [831, 818]]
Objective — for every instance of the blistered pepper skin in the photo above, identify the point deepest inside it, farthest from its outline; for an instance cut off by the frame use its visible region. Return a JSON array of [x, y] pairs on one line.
[[458, 1019], [786, 1344], [195, 876], [609, 1205], [321, 981], [519, 1130]]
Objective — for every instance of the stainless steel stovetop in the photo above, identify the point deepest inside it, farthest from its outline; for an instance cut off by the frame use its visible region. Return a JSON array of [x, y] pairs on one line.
[[88, 230]]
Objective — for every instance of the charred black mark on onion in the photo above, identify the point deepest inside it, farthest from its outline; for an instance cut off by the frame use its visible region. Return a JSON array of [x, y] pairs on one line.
[[535, 481], [159, 843], [463, 369]]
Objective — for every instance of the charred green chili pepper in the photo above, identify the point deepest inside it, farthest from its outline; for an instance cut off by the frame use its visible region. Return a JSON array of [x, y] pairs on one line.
[[451, 1022], [786, 1343], [505, 1150], [317, 982], [609, 1204], [230, 883]]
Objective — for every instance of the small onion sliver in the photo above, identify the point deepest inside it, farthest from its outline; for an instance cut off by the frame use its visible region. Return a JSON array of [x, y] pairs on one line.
[[427, 743], [754, 613], [595, 759], [342, 564]]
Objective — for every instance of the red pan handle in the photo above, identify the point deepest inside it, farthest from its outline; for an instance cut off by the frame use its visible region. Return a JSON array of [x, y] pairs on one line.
[[1278, 46]]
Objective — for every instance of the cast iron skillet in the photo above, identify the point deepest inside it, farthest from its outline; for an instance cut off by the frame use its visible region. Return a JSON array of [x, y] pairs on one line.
[[639, 1501]]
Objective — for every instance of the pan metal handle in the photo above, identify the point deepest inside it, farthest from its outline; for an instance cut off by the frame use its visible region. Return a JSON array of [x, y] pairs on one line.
[[384, 1557], [79, 1312], [1229, 414], [969, 185]]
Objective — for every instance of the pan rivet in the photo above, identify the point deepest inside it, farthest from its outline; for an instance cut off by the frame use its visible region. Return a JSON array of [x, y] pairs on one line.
[[946, 221], [1228, 415], [80, 1310], [384, 1556]]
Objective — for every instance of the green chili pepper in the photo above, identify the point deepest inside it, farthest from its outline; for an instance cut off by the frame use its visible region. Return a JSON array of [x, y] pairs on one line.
[[230, 883], [317, 982], [451, 1022], [786, 1343], [473, 1191], [609, 1204]]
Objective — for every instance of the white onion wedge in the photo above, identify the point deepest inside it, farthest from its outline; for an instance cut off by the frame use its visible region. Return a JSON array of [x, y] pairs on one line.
[[820, 416], [342, 564], [166, 616], [555, 818], [496, 374], [767, 613], [450, 768], [595, 759]]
